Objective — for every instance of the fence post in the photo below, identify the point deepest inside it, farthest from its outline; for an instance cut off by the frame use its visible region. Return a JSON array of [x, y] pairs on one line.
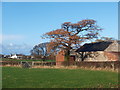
[[32, 63], [113, 66], [18, 63], [21, 63]]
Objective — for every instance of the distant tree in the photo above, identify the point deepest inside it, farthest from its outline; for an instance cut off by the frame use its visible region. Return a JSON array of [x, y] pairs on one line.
[[105, 39], [40, 50], [72, 34]]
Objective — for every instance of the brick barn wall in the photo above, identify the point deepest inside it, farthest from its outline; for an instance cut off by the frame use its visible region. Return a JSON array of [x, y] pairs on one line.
[[60, 57], [112, 56], [72, 59]]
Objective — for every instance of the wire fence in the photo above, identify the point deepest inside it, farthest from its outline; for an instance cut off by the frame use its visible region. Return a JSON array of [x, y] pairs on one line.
[[26, 64]]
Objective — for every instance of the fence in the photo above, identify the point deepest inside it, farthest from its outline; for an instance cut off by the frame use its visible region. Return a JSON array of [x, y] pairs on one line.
[[94, 64], [43, 63], [26, 63], [103, 64], [10, 63]]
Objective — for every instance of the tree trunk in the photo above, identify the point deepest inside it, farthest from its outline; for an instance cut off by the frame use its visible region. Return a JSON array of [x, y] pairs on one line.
[[67, 55], [82, 56]]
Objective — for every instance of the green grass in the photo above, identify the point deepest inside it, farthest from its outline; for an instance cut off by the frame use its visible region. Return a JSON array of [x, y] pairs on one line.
[[14, 77], [4, 59]]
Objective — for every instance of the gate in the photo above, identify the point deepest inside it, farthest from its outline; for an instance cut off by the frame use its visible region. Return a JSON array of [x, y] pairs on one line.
[[25, 64]]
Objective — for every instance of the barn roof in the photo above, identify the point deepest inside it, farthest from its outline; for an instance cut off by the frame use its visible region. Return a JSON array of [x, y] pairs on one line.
[[97, 46]]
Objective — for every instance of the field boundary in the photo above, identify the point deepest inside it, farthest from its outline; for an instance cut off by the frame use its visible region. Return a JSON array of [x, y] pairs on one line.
[[68, 67], [111, 66]]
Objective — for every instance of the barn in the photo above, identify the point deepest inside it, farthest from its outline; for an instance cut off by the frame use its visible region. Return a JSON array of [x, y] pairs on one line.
[[99, 51]]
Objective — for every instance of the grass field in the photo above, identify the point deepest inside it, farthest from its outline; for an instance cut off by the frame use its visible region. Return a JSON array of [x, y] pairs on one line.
[[4, 59], [14, 77]]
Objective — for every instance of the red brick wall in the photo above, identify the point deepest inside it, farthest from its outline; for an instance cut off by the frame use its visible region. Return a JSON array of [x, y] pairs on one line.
[[60, 57], [112, 56], [72, 59]]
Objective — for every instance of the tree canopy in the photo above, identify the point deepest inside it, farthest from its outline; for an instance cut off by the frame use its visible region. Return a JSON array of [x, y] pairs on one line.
[[40, 50], [71, 35], [105, 39]]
